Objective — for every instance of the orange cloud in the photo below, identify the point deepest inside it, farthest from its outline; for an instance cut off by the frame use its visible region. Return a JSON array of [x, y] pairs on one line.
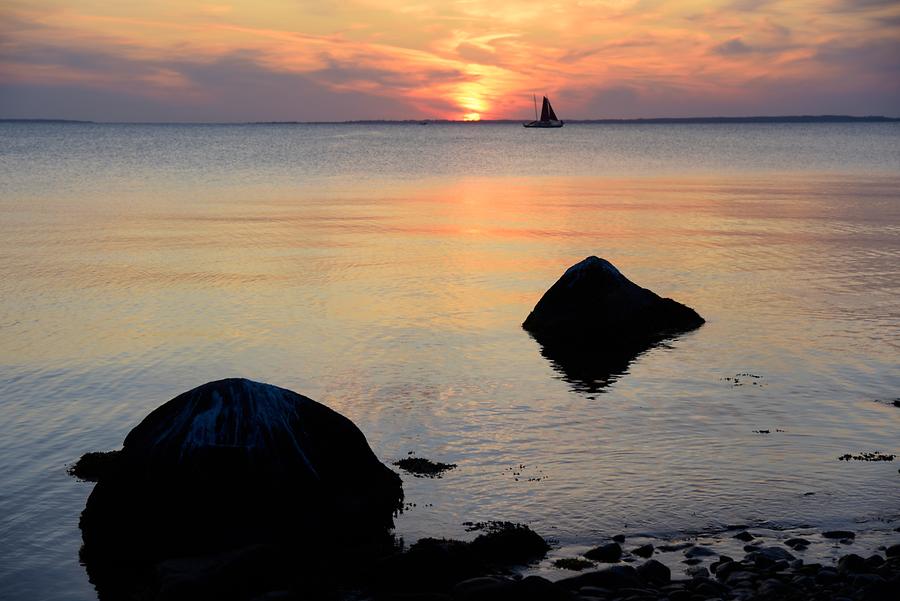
[[462, 59]]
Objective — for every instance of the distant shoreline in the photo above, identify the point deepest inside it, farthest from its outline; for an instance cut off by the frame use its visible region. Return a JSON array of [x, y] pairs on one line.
[[636, 121]]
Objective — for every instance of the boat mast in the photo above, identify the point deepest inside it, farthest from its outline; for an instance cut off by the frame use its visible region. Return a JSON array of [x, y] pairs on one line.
[[533, 97]]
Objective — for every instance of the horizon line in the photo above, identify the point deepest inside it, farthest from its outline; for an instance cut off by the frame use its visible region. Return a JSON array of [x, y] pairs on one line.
[[807, 118]]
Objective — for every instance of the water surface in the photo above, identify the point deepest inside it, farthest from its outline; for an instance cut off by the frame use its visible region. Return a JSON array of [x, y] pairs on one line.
[[385, 271]]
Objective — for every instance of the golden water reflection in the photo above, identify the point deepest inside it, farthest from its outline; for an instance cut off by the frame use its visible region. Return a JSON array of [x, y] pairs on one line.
[[400, 305]]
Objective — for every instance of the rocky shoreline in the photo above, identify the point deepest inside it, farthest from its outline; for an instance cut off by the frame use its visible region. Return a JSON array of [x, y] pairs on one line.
[[501, 562], [242, 491]]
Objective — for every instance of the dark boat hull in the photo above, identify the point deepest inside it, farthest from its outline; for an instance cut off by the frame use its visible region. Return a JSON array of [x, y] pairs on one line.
[[543, 124]]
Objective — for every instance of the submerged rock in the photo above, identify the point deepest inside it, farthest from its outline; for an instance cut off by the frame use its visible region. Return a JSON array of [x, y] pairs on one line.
[[424, 468], [509, 544], [594, 321], [594, 303], [236, 462]]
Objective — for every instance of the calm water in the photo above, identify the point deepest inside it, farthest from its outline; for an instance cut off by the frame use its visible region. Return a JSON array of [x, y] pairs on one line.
[[384, 270]]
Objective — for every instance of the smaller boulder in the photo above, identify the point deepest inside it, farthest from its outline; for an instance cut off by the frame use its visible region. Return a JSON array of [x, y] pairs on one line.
[[594, 303]]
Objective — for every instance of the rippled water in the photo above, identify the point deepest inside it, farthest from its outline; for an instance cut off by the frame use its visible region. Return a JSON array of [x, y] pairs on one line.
[[385, 271]]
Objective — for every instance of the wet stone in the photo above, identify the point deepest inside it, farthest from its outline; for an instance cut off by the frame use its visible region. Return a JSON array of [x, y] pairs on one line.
[[770, 555], [673, 547], [725, 568], [874, 560], [708, 589], [480, 587], [614, 577], [738, 576], [723, 559], [680, 595], [839, 534], [852, 563], [699, 552], [608, 553], [697, 572], [654, 572], [771, 587], [575, 564], [826, 576]]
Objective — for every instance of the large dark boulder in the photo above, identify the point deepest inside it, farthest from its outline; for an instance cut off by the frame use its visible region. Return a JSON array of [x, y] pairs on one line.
[[593, 302], [236, 462], [594, 321]]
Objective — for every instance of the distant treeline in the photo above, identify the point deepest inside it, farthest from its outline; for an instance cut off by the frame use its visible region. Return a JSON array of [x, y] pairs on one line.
[[651, 121], [43, 121], [777, 119]]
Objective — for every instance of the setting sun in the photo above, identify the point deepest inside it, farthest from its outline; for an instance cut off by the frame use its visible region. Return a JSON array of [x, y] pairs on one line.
[[471, 117]]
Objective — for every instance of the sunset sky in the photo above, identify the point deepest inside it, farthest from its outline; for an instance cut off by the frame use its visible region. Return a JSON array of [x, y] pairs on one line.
[[272, 60]]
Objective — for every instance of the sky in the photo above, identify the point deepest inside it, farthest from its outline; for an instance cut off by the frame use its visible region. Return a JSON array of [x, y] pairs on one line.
[[327, 60]]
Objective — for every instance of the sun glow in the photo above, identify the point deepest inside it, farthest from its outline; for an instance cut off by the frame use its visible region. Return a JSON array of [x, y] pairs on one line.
[[472, 117]]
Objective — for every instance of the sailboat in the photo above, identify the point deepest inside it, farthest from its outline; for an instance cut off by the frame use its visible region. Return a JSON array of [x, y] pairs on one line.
[[548, 117]]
